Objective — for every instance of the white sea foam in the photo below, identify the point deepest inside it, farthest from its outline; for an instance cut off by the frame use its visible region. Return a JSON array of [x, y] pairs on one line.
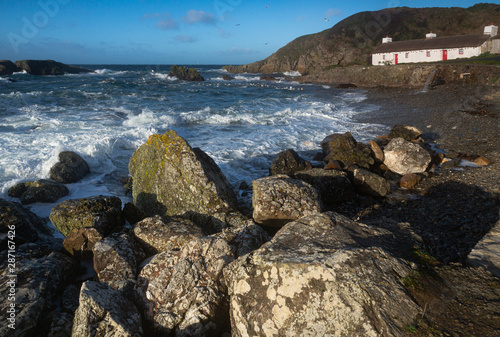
[[292, 73]]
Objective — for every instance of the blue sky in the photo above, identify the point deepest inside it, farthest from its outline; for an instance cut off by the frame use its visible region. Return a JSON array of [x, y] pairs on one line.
[[170, 32]]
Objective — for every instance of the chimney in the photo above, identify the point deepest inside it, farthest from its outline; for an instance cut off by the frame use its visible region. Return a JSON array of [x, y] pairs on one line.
[[387, 39], [431, 35], [491, 30]]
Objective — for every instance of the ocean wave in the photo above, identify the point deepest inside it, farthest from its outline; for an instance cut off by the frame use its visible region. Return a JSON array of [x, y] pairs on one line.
[[292, 73], [165, 77]]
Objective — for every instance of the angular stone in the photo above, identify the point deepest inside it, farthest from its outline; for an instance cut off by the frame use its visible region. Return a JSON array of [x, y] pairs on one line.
[[288, 162], [406, 132], [42, 190], [405, 157], [368, 183], [70, 168], [409, 180], [333, 165], [115, 262], [80, 242], [157, 235], [486, 253], [322, 275], [170, 178], [99, 212], [182, 292], [482, 161], [377, 151], [333, 186], [103, 311], [280, 199], [345, 149]]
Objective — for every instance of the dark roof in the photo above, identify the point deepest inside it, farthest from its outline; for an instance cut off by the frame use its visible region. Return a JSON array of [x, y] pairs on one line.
[[444, 42]]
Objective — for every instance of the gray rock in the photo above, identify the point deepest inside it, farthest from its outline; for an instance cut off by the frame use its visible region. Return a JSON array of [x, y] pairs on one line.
[[345, 149], [115, 262], [406, 132], [157, 235], [170, 179], [103, 311], [368, 183], [288, 162], [280, 199], [40, 276], [182, 292], [70, 168], [99, 212], [42, 190], [333, 186], [48, 67], [486, 253], [404, 157], [322, 275]]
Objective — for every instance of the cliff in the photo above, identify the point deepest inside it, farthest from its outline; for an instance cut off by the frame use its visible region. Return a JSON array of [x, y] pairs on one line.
[[352, 40]]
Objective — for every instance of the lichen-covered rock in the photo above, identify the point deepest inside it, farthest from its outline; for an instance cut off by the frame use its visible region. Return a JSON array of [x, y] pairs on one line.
[[40, 274], [333, 186], [345, 149], [27, 225], [185, 74], [404, 157], [280, 199], [115, 262], [99, 212], [182, 292], [406, 132], [170, 178], [103, 311], [80, 242], [322, 275], [70, 168], [157, 235], [368, 183], [288, 162], [42, 190]]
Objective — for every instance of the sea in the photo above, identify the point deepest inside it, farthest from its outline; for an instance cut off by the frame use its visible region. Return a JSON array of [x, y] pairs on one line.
[[106, 115]]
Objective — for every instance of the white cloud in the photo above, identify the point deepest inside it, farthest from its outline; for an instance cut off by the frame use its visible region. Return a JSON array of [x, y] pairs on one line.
[[194, 16], [333, 12], [185, 38]]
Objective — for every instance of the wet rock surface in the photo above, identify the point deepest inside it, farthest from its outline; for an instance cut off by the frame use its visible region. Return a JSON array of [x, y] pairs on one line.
[[288, 162], [42, 190], [70, 168]]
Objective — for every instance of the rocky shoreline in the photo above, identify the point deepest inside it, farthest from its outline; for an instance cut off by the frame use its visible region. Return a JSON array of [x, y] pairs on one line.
[[333, 246]]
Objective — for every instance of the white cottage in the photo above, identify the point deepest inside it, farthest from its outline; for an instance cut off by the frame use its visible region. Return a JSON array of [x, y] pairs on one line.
[[433, 48]]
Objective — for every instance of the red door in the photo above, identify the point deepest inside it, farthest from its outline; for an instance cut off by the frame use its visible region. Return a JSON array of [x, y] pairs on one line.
[[395, 58], [445, 55]]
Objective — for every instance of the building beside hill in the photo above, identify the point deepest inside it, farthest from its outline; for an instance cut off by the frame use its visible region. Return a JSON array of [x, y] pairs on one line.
[[434, 48]]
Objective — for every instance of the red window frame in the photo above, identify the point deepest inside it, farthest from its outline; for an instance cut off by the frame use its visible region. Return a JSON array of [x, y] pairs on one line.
[[428, 53], [460, 51]]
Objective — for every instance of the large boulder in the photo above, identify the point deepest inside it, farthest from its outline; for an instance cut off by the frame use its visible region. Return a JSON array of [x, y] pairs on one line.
[[182, 293], [486, 253], [80, 242], [368, 183], [322, 275], [99, 212], [39, 277], [27, 225], [157, 235], [42, 190], [7, 68], [345, 149], [333, 186], [115, 262], [288, 162], [170, 178], [280, 199], [103, 311], [49, 67], [185, 74], [70, 168], [404, 157]]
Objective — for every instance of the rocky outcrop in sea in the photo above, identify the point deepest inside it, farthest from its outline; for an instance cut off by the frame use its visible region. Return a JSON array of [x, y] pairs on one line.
[[188, 262]]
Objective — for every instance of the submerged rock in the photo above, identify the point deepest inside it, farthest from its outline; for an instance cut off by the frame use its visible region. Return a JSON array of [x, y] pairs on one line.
[[70, 168], [170, 179], [288, 162], [99, 212], [185, 74], [345, 149], [42, 190], [322, 275], [103, 311], [404, 157], [280, 199]]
